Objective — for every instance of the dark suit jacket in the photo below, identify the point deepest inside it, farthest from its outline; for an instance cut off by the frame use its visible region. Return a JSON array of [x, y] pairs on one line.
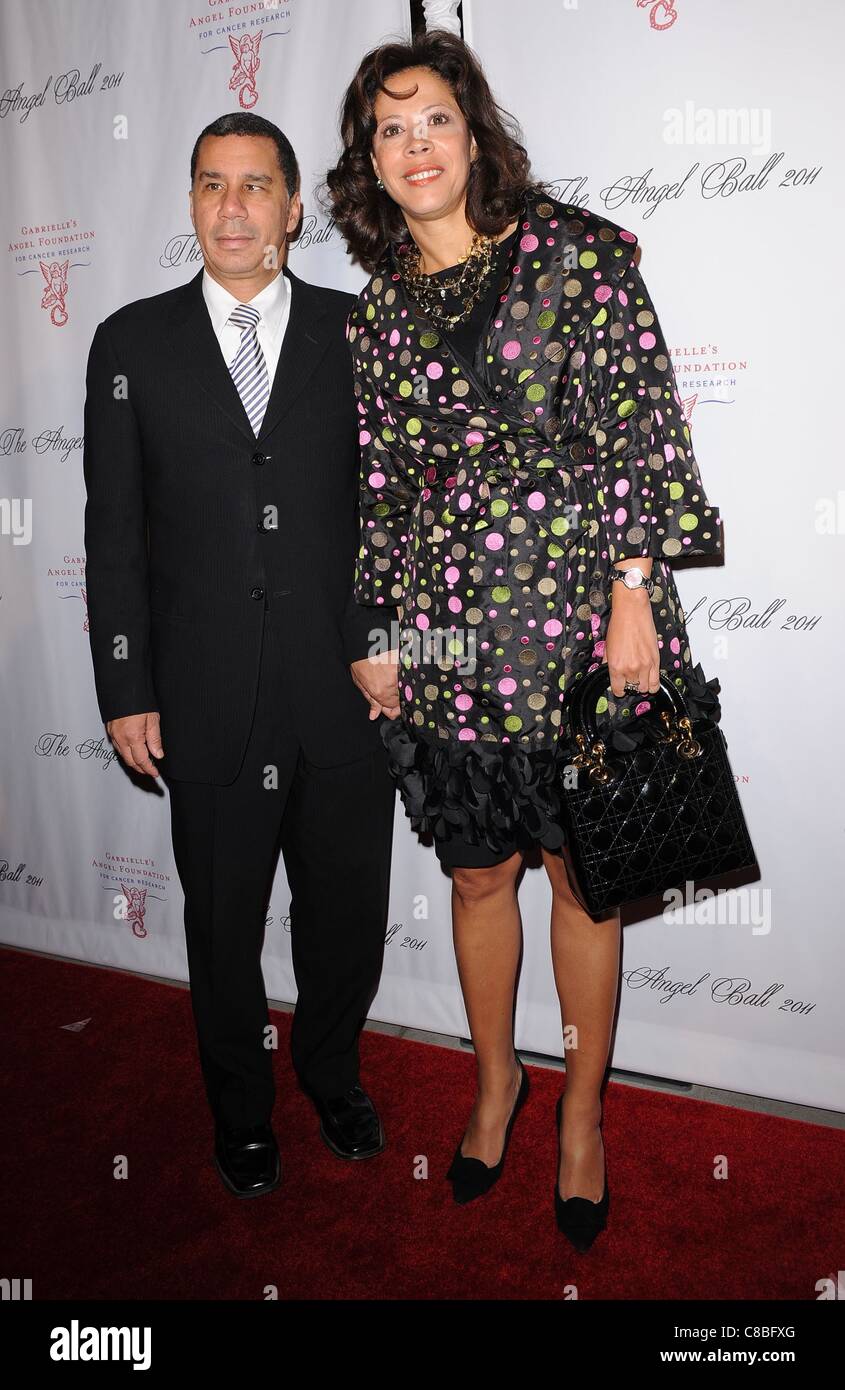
[[182, 551]]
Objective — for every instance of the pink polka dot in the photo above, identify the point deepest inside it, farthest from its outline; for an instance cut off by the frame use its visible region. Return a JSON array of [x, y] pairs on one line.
[[529, 242], [647, 340], [409, 694], [376, 480], [475, 437], [603, 293], [669, 452], [466, 735], [620, 516], [464, 702], [675, 645], [395, 337], [553, 627], [364, 436], [422, 621], [455, 604], [464, 501], [536, 500], [511, 349], [494, 541], [621, 486], [507, 685], [626, 236], [434, 370], [452, 574]]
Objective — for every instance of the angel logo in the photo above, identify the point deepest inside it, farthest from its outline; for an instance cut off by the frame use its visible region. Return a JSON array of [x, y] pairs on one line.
[[247, 63], [134, 907], [688, 403], [662, 13], [53, 298]]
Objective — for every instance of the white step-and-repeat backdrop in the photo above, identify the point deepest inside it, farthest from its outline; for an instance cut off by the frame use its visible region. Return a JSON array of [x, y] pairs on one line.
[[713, 132]]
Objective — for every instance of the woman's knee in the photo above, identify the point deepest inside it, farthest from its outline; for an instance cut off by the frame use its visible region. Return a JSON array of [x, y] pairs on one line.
[[558, 873], [474, 885]]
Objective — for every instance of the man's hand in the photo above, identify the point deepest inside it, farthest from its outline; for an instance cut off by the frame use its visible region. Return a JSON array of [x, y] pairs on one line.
[[377, 677], [135, 737], [631, 648]]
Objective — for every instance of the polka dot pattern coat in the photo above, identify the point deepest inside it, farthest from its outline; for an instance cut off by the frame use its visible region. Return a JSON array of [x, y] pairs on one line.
[[493, 505]]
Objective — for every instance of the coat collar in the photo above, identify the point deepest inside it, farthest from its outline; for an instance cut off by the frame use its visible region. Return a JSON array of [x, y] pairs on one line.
[[577, 257], [195, 343]]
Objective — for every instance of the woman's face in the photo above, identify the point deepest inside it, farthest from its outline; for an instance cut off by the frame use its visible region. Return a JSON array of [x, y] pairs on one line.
[[422, 147]]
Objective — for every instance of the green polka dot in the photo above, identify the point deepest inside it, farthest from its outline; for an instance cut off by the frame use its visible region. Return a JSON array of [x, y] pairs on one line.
[[676, 490], [587, 259], [405, 388], [688, 521], [600, 317], [601, 704], [414, 425], [626, 408], [556, 550], [429, 340], [559, 526], [546, 319], [499, 507], [535, 393], [501, 593], [371, 311], [513, 723]]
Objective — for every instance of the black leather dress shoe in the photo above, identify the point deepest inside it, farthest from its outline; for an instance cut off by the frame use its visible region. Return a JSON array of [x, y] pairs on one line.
[[247, 1159], [350, 1124]]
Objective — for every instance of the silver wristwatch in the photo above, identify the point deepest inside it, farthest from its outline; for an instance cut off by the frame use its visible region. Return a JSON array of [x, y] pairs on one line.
[[633, 578]]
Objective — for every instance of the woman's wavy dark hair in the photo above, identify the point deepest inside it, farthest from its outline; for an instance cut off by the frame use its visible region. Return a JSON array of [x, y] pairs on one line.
[[499, 176]]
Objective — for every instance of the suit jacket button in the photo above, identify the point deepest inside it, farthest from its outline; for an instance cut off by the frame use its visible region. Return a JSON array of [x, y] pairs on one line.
[[256, 592], [258, 459]]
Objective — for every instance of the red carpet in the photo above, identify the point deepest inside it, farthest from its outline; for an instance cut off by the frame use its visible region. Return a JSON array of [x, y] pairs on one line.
[[128, 1084]]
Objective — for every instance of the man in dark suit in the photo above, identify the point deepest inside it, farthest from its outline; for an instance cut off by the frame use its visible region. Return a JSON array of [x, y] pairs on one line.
[[221, 462]]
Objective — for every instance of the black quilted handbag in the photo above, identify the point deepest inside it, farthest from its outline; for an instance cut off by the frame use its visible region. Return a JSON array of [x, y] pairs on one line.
[[645, 822]]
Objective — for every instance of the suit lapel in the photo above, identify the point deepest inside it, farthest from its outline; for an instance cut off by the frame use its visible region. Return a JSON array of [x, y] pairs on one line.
[[195, 344]]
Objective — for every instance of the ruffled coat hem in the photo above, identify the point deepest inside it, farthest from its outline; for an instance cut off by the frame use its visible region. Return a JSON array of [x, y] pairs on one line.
[[498, 794]]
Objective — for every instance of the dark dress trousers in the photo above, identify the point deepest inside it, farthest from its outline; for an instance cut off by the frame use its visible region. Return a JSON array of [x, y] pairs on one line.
[[219, 582]]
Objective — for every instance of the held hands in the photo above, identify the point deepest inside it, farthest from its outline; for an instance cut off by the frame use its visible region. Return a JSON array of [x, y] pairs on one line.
[[377, 677], [135, 737], [631, 649]]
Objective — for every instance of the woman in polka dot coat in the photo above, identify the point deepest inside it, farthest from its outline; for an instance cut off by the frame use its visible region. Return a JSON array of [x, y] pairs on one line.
[[498, 489]]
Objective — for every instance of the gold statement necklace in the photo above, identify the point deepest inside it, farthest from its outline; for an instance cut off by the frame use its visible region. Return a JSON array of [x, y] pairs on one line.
[[467, 285]]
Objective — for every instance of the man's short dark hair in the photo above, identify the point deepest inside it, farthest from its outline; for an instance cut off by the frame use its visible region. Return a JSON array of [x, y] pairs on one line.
[[245, 123]]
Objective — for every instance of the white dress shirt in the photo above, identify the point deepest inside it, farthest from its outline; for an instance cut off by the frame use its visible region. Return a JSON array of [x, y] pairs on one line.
[[273, 304]]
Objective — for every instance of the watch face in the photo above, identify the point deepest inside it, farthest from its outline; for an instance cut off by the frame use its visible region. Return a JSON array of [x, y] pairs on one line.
[[633, 578]]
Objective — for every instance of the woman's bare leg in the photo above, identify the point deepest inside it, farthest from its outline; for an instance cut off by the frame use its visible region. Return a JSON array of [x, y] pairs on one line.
[[585, 956], [487, 933]]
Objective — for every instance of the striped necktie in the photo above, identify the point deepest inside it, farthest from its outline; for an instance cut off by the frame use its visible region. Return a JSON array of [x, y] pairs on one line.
[[249, 367]]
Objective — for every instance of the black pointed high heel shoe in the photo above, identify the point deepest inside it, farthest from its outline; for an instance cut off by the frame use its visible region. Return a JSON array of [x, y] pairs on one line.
[[580, 1219], [470, 1177]]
